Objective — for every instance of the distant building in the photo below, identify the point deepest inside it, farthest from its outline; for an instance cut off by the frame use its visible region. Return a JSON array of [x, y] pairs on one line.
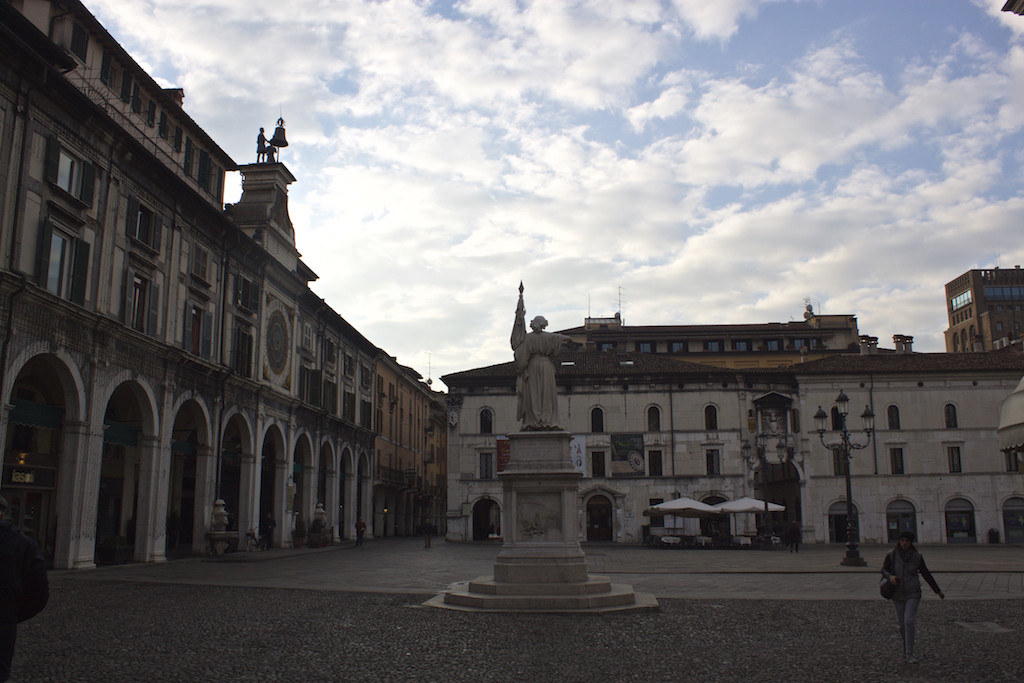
[[985, 309], [648, 428], [762, 345]]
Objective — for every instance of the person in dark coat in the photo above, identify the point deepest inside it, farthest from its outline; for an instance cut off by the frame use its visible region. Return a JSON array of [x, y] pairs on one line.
[[901, 567], [793, 538], [24, 588]]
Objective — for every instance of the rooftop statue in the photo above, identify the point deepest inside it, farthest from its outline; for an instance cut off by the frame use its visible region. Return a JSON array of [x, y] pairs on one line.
[[536, 391]]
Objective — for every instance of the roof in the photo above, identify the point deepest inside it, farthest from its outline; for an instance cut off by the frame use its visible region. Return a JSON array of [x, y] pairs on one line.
[[913, 363], [612, 365]]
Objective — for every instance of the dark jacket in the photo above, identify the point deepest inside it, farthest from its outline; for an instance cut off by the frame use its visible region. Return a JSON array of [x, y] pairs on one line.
[[24, 588], [906, 566]]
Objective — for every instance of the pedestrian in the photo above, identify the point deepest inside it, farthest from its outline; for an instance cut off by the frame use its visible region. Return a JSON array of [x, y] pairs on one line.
[[428, 531], [901, 567], [24, 588], [267, 531], [360, 530], [794, 537]]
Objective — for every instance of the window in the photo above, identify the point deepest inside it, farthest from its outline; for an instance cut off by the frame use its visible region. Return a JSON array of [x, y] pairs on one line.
[[893, 413], [896, 460], [365, 414], [330, 351], [247, 294], [597, 420], [126, 87], [486, 421], [653, 419], [953, 454], [710, 418], [839, 462], [645, 347], [677, 347], [64, 264], [162, 128], [772, 345], [151, 114], [309, 385], [177, 138], [487, 465], [330, 397], [307, 337], [203, 176], [106, 69], [713, 459], [657, 521], [597, 464], [241, 356], [200, 262], [141, 310], [714, 345], [606, 346], [741, 345], [349, 406], [186, 161], [68, 172], [950, 415], [197, 330], [350, 365], [799, 344], [1012, 461], [837, 420], [143, 225], [654, 464]]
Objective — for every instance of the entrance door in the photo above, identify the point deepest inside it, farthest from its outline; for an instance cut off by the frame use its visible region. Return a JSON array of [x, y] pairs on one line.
[[599, 519], [960, 522], [900, 516], [837, 522], [486, 521]]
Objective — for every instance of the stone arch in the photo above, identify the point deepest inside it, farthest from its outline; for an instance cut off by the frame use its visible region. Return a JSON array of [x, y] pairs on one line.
[[486, 519], [303, 473], [44, 435], [274, 488], [189, 466]]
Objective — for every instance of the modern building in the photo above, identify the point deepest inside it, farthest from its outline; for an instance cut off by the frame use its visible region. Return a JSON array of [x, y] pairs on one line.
[[984, 308], [160, 351], [649, 428], [764, 345]]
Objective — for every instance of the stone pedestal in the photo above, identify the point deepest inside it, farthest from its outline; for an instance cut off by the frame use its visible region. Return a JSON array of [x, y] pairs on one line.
[[541, 566]]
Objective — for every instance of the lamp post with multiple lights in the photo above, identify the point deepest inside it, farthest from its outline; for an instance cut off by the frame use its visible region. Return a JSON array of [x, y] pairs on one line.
[[846, 448]]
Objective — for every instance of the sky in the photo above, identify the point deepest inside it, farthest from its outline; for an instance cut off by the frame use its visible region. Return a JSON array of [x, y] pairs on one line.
[[677, 161]]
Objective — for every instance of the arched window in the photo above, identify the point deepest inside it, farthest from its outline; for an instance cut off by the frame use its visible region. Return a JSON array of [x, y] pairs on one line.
[[653, 419], [486, 421], [597, 420], [894, 417], [950, 415], [711, 418]]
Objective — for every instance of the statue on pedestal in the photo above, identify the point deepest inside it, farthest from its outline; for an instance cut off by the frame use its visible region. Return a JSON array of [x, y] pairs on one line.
[[536, 391]]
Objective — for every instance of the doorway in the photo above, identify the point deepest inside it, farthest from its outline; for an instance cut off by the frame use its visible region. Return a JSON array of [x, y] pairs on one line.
[[599, 519]]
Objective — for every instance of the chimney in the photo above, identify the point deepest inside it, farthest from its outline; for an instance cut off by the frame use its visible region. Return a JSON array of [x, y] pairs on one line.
[[903, 343], [868, 345]]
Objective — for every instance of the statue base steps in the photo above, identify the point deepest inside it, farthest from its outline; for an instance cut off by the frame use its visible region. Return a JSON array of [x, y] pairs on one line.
[[541, 567]]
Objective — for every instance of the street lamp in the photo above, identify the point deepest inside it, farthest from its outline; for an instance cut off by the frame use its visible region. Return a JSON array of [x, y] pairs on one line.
[[781, 451], [846, 448]]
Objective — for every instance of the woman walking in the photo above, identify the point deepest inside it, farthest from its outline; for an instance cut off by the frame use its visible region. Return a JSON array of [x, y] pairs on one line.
[[901, 567]]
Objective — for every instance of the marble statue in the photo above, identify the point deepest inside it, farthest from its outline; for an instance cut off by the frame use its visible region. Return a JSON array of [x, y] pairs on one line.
[[536, 391]]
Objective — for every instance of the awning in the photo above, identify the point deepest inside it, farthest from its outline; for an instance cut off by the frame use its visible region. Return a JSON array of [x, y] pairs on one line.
[[747, 504], [39, 415], [1011, 420]]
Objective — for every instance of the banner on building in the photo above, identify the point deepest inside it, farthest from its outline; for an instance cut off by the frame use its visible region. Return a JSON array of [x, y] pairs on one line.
[[504, 447], [578, 452], [628, 455]]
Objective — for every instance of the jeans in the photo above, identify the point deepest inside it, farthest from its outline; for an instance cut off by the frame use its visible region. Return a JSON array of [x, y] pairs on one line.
[[906, 615]]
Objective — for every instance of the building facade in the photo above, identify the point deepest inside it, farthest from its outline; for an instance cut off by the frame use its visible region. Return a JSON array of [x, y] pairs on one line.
[[648, 429], [762, 345], [984, 309], [161, 351]]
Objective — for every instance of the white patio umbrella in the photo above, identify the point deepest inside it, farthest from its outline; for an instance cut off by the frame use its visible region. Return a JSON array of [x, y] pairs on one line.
[[682, 507], [1011, 420], [747, 504]]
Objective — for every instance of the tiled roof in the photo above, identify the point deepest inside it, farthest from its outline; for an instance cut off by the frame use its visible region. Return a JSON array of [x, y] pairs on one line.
[[571, 364], [903, 363], [612, 365]]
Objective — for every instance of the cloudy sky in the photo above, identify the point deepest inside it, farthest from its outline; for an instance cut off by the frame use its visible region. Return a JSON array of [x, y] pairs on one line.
[[683, 161]]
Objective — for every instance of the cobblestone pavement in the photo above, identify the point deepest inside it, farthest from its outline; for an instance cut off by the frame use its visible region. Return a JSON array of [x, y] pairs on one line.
[[307, 616]]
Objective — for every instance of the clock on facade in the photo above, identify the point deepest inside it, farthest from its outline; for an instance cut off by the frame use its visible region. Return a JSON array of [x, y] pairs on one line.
[[277, 342]]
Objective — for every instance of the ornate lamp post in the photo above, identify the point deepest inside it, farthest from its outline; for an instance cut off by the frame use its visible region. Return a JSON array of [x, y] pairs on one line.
[[761, 459], [846, 448]]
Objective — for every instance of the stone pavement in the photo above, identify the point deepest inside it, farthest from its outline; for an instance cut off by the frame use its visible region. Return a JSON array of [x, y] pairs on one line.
[[348, 614]]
